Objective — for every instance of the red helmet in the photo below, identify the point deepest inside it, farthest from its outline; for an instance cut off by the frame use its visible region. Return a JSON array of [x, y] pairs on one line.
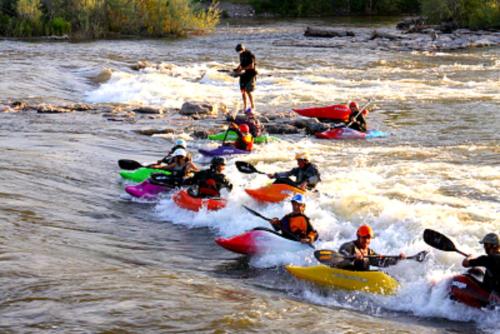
[[353, 105], [244, 128], [364, 231]]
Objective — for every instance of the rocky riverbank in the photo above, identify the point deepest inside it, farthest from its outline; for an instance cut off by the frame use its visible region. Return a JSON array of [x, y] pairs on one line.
[[197, 119], [409, 35]]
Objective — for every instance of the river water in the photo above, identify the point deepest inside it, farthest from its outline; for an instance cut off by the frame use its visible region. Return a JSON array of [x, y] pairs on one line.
[[77, 255]]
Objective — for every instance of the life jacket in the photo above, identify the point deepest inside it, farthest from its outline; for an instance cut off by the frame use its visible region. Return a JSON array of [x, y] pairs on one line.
[[244, 142], [208, 188], [299, 226]]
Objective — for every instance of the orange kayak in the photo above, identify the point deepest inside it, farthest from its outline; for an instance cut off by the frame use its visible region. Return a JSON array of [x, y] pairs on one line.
[[186, 201], [274, 193]]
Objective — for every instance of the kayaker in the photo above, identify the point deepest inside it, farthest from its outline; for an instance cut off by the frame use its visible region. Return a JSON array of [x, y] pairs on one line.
[[253, 123], [296, 225], [209, 182], [357, 120], [364, 255], [491, 261], [248, 74], [181, 166], [306, 174], [179, 144], [245, 138]]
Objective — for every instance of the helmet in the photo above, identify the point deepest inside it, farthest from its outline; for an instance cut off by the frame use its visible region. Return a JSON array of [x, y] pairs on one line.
[[353, 104], [180, 142], [180, 153], [217, 161], [490, 238], [302, 156], [239, 47], [365, 230], [299, 199], [244, 128]]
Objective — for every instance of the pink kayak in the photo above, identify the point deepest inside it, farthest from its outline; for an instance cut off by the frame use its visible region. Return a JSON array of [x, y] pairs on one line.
[[260, 240], [348, 133], [146, 190]]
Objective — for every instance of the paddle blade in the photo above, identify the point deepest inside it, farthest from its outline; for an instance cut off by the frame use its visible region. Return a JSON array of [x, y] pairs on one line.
[[419, 257], [438, 241], [329, 257], [245, 167], [129, 164]]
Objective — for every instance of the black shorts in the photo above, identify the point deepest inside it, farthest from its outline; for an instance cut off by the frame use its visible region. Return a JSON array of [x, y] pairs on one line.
[[247, 81]]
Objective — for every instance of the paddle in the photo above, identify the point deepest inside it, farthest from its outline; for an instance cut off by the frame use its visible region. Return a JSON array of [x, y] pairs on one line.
[[333, 258], [440, 241], [129, 164], [247, 168], [255, 213]]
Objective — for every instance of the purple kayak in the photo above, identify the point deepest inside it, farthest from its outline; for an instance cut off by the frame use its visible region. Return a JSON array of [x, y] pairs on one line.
[[146, 190], [222, 150]]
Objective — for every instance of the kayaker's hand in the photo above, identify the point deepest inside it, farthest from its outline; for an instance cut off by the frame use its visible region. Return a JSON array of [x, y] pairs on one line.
[[303, 185], [271, 176], [358, 256], [402, 256], [275, 221], [305, 240]]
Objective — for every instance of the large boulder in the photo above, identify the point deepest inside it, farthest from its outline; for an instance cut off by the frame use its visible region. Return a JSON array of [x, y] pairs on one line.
[[149, 110], [327, 32], [191, 109]]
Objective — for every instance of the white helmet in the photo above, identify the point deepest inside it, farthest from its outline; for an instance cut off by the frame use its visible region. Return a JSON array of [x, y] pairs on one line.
[[180, 142], [179, 153]]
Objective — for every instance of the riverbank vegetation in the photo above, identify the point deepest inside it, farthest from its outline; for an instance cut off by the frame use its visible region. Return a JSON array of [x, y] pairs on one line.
[[82, 19], [464, 13]]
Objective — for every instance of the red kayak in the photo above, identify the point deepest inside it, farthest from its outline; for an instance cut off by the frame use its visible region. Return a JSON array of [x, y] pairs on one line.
[[338, 112], [467, 289], [186, 201], [260, 240], [348, 133]]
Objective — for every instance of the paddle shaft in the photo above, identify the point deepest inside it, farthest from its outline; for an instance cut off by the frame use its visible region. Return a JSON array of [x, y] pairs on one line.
[[359, 112], [255, 213]]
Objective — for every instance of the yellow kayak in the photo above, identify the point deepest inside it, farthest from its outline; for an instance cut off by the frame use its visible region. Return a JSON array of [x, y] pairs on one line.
[[368, 281]]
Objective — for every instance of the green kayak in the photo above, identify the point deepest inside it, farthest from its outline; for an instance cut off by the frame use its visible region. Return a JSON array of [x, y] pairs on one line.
[[141, 174], [232, 136]]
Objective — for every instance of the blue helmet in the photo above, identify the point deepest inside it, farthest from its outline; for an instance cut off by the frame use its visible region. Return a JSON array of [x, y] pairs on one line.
[[299, 199]]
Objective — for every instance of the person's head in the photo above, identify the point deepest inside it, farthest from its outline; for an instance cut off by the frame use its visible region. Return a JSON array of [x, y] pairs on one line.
[[180, 155], [240, 48], [353, 106], [364, 235], [298, 203], [491, 243], [302, 159], [244, 128], [181, 142], [218, 164]]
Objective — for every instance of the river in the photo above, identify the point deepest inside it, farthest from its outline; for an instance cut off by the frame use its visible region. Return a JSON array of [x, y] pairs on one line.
[[78, 256]]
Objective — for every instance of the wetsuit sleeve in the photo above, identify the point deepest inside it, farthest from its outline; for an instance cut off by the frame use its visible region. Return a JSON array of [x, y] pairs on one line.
[[283, 175], [312, 176], [481, 261]]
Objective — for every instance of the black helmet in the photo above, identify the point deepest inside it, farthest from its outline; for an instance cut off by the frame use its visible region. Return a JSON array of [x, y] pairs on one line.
[[239, 47], [217, 161]]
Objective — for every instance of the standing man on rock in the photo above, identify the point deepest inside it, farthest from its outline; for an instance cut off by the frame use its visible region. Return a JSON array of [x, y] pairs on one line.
[[246, 71]]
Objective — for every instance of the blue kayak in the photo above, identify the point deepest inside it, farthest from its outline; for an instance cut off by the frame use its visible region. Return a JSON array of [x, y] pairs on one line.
[[222, 150]]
